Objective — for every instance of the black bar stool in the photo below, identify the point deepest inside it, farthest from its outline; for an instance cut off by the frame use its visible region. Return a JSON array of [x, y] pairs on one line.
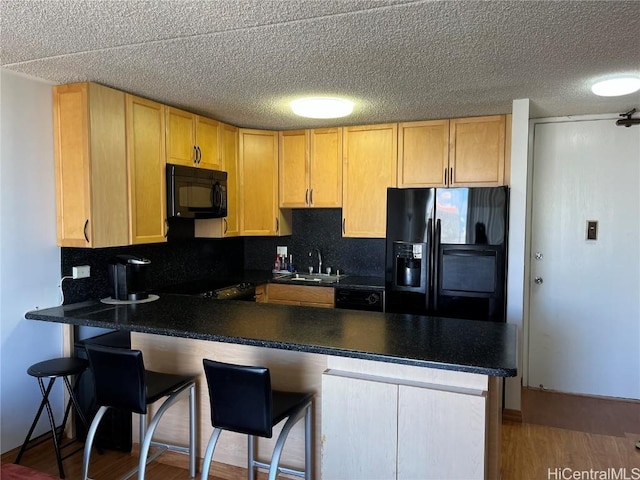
[[53, 369], [242, 401], [121, 381]]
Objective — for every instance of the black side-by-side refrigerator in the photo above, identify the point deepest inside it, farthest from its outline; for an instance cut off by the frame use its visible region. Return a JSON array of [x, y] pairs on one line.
[[446, 252]]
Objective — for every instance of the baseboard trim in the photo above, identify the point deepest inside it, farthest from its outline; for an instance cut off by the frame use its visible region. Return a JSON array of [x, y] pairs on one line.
[[509, 415]]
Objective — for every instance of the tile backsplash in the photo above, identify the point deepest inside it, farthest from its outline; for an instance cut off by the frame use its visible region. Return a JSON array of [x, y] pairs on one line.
[[319, 228], [183, 260], [173, 262]]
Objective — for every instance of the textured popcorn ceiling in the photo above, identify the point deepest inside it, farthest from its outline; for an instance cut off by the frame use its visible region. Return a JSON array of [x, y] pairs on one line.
[[242, 61]]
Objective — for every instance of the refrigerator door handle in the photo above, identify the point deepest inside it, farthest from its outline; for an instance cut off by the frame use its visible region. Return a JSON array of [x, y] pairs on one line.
[[436, 264]]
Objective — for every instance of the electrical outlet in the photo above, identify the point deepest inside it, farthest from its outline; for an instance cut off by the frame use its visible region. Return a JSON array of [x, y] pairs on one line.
[[82, 271], [281, 250]]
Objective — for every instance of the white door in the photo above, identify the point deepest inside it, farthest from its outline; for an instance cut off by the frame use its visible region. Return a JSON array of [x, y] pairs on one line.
[[584, 318]]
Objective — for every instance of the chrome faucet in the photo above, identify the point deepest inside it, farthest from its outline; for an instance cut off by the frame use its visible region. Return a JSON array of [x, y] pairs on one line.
[[319, 259]]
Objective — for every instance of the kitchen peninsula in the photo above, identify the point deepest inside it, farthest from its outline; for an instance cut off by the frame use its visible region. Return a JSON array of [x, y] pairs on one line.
[[397, 396]]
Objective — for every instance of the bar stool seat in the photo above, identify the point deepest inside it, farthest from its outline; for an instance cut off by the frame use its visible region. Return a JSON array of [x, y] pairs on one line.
[[121, 381], [242, 401], [53, 369]]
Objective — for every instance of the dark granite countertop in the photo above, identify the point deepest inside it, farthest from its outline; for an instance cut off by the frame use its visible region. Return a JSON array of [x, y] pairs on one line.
[[452, 344]]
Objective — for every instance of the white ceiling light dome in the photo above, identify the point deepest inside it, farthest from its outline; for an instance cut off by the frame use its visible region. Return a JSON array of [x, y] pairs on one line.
[[322, 107], [617, 86]]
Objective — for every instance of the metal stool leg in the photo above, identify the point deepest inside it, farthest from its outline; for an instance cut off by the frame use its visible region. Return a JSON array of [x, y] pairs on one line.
[[251, 460], [33, 425], [208, 455], [192, 431], [52, 423], [91, 433]]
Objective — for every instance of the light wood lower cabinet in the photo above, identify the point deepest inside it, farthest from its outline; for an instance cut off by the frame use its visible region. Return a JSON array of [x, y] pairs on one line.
[[395, 422], [301, 295]]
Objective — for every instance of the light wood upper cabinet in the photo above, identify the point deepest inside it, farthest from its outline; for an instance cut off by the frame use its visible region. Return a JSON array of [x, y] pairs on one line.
[[146, 170], [258, 173], [229, 153], [294, 168], [423, 153], [464, 152], [192, 140], [311, 168], [369, 168], [228, 226], [91, 169], [477, 151]]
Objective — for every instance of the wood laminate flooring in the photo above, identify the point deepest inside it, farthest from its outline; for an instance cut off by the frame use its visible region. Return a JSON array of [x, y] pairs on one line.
[[558, 431]]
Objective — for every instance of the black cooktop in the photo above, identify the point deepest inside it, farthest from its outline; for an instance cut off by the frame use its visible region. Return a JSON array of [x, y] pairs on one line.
[[228, 289]]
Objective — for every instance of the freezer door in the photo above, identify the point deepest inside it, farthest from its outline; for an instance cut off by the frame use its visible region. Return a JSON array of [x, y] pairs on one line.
[[472, 216]]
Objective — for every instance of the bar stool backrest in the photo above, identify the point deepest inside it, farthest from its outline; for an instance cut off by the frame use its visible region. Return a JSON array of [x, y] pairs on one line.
[[240, 398], [119, 377]]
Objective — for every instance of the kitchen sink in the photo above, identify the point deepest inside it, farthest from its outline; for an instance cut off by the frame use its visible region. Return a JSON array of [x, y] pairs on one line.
[[305, 278]]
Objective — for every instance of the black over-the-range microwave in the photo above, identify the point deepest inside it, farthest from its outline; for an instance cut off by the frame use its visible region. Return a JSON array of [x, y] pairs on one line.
[[196, 192]]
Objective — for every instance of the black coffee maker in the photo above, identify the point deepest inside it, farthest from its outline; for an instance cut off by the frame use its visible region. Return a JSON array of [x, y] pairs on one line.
[[128, 276]]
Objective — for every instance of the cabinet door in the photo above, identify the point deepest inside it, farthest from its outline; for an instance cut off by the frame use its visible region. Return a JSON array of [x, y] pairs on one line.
[[369, 169], [228, 226], [325, 168], [229, 153], [146, 165], [476, 152], [441, 434], [294, 168], [259, 182], [359, 429], [90, 166], [181, 141], [423, 153], [300, 295], [207, 142]]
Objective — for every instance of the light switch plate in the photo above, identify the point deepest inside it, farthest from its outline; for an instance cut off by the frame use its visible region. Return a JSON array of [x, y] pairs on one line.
[[282, 251], [592, 229]]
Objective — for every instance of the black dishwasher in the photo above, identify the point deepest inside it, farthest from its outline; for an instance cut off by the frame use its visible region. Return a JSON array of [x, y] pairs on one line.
[[359, 298], [114, 432]]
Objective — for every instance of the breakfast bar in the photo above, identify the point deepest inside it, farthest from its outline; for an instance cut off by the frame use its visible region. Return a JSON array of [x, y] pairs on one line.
[[396, 396]]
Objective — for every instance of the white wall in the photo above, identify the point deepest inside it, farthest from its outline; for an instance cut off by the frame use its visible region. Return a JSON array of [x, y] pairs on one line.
[[29, 257], [518, 250]]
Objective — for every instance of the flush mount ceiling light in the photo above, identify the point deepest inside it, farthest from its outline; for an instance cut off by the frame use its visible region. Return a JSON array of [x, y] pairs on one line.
[[615, 87], [322, 107]]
